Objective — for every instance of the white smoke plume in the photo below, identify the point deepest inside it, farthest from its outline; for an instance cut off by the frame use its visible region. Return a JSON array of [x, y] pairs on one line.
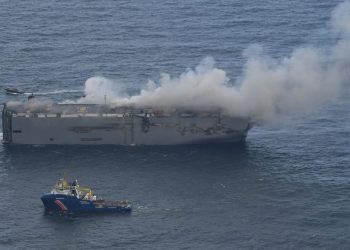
[[30, 106], [98, 88], [267, 89]]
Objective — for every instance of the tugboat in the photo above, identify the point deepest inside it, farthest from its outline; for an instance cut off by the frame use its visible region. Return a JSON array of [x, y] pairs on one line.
[[70, 198]]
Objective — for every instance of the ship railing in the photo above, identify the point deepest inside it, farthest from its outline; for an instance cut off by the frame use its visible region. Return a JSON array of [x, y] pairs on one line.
[[85, 190], [66, 188]]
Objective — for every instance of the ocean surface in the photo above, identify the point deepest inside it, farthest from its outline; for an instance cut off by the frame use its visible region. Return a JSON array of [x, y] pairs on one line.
[[287, 187]]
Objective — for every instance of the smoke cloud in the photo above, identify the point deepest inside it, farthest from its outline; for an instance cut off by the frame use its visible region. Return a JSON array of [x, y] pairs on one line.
[[267, 89]]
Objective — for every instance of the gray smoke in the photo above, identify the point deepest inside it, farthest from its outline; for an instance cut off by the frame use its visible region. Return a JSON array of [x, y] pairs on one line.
[[268, 88], [30, 106]]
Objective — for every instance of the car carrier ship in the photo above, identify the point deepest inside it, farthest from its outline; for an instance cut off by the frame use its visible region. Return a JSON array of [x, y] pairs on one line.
[[35, 122]]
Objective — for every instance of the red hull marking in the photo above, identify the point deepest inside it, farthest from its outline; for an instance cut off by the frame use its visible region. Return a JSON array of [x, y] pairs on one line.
[[61, 205]]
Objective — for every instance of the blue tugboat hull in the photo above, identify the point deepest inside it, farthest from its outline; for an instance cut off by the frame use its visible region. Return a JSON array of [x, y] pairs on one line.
[[60, 203]]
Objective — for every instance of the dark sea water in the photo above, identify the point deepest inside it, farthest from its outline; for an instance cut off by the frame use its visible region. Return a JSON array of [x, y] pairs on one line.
[[287, 187]]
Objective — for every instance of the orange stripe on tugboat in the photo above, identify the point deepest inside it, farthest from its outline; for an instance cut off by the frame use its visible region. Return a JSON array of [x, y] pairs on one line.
[[61, 205]]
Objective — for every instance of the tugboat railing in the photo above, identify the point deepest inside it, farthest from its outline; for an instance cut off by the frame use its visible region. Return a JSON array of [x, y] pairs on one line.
[[85, 190]]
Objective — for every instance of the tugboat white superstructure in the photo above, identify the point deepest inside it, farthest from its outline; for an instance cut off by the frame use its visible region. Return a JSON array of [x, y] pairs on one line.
[[33, 122]]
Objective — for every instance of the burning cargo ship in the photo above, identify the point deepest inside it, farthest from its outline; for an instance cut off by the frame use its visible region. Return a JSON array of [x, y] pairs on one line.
[[85, 124]]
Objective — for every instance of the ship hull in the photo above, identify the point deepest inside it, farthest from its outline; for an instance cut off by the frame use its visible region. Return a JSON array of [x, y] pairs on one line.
[[122, 128], [59, 203]]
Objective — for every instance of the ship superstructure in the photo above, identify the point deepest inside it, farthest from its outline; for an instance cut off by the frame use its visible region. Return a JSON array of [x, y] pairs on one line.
[[52, 123]]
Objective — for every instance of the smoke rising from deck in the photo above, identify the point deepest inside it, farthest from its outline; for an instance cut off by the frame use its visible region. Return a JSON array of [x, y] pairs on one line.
[[30, 106], [267, 89]]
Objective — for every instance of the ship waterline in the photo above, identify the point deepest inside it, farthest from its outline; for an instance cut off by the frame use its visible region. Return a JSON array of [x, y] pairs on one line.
[[86, 124]]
